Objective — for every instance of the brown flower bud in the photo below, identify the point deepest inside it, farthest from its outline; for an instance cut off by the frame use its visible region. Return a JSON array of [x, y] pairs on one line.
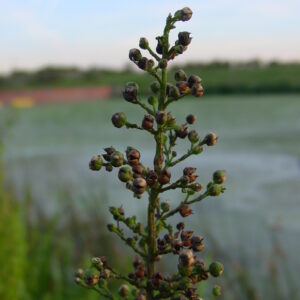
[[91, 276], [176, 246], [180, 226], [157, 277], [143, 63], [189, 171], [185, 210], [138, 169], [191, 119], [186, 238], [159, 47], [152, 178], [180, 75], [174, 92], [140, 272], [135, 54], [186, 258], [211, 139], [197, 90], [133, 157], [147, 123], [161, 244], [161, 117], [137, 262], [164, 176], [130, 92], [181, 132], [183, 87], [193, 79], [124, 290], [197, 243], [184, 14], [139, 185], [184, 38]]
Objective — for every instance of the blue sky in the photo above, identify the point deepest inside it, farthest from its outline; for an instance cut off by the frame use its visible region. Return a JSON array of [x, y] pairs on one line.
[[94, 32]]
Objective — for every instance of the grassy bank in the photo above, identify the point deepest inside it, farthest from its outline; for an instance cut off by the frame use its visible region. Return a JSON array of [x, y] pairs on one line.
[[219, 77]]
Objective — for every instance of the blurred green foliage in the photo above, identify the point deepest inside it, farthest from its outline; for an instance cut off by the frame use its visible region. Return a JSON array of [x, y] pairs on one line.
[[220, 77]]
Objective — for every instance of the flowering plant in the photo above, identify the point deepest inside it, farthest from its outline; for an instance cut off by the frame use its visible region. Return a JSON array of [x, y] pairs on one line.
[[158, 237]]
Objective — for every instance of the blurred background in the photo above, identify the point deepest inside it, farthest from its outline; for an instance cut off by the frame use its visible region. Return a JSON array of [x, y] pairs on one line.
[[63, 65]]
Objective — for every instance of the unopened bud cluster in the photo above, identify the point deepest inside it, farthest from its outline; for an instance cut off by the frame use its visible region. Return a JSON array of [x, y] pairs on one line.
[[153, 239]]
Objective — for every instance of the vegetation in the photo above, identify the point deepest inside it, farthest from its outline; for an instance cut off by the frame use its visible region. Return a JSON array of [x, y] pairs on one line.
[[219, 77], [158, 237]]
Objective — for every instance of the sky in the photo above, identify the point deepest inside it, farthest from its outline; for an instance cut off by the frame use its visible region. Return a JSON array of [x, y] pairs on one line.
[[85, 33]]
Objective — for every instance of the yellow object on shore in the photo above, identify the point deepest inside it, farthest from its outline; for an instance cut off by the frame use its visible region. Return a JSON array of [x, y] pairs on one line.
[[22, 102]]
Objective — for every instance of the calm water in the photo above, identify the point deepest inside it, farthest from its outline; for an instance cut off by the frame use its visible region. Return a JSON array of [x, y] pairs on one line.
[[49, 147]]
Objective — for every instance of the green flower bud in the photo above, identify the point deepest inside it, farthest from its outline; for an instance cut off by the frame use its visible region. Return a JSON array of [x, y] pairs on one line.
[[171, 120], [184, 14], [117, 159], [102, 283], [150, 64], [161, 117], [197, 149], [180, 75], [152, 100], [216, 291], [91, 276], [125, 174], [108, 167], [193, 136], [130, 92], [97, 263], [215, 190], [79, 273], [193, 79], [96, 163], [179, 49], [144, 44], [184, 38], [216, 269], [124, 290], [119, 119], [165, 206], [135, 54], [191, 119], [219, 176], [155, 87], [131, 222], [174, 92]]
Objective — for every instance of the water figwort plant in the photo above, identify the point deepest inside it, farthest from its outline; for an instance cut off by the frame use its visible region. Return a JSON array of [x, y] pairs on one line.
[[158, 237]]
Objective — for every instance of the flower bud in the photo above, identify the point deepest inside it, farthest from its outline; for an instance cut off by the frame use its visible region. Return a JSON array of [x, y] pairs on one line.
[[124, 290], [184, 14], [193, 136], [177, 245], [109, 150], [105, 274], [164, 176], [197, 243], [155, 87], [130, 92], [215, 190], [150, 64], [157, 278], [79, 273], [117, 159], [147, 123], [144, 44], [180, 226], [193, 79], [137, 262], [140, 297], [184, 180], [108, 167], [91, 276], [97, 263], [152, 100], [180, 75], [161, 117], [197, 149], [161, 244], [119, 119], [197, 187], [186, 258], [163, 63], [174, 92], [216, 269], [171, 120], [165, 206], [190, 119], [216, 291], [133, 157], [211, 139], [178, 49], [186, 237], [197, 90], [184, 38], [96, 163], [159, 47], [181, 132], [152, 178], [125, 174], [219, 176], [185, 210], [143, 63], [135, 54], [183, 87], [139, 185]]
